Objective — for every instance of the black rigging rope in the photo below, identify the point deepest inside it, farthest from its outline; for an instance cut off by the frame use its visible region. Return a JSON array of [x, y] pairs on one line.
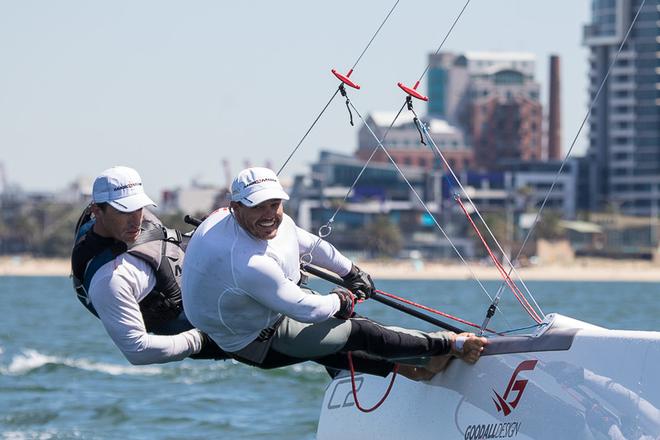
[[359, 58]]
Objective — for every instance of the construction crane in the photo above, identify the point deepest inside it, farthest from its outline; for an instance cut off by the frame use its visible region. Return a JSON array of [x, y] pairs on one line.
[[227, 170], [3, 178]]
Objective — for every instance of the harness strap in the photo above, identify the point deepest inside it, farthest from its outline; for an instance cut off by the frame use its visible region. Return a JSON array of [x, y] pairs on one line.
[[268, 332], [158, 232]]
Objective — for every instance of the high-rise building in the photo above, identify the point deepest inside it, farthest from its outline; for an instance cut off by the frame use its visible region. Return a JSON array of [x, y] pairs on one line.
[[624, 138], [494, 99]]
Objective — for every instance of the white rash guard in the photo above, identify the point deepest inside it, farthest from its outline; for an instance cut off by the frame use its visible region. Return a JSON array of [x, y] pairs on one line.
[[235, 285], [115, 291]]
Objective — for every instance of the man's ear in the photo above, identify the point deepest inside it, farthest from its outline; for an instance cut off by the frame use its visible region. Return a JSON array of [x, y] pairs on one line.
[[233, 206], [95, 209]]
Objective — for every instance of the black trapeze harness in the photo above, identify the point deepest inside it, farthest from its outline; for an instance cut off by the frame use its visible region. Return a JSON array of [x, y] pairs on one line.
[[162, 248]]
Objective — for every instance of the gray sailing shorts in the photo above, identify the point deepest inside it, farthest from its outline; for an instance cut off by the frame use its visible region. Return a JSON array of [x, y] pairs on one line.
[[311, 340], [315, 340]]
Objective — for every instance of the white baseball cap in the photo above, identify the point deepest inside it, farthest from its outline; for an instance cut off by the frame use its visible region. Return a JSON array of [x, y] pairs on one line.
[[121, 187], [256, 185]]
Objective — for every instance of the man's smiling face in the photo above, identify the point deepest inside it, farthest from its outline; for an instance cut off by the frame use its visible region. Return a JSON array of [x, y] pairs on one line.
[[262, 220]]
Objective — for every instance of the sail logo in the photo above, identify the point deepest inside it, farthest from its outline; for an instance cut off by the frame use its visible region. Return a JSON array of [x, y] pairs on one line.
[[514, 390]]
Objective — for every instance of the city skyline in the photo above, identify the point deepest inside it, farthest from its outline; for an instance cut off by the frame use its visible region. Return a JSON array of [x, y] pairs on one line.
[[172, 90]]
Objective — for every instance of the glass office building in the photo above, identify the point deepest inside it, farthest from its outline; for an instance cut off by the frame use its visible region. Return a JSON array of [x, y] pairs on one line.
[[624, 138]]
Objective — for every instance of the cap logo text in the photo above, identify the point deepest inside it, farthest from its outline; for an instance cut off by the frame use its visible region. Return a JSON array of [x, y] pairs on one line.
[[128, 185]]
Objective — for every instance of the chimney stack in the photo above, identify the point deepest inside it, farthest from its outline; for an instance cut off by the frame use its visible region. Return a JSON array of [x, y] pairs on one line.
[[554, 113]]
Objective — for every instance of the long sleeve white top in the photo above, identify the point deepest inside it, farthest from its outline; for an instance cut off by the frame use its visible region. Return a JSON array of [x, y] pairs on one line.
[[235, 285], [115, 291]]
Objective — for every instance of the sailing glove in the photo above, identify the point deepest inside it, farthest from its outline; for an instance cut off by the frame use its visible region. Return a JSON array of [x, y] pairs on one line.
[[210, 349], [346, 302], [360, 283]]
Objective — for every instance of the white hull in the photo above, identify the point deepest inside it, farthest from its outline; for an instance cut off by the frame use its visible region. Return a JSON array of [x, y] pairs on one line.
[[593, 384]]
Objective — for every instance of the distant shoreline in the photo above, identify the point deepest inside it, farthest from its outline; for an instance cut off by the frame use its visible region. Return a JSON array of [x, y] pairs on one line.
[[29, 266], [578, 270]]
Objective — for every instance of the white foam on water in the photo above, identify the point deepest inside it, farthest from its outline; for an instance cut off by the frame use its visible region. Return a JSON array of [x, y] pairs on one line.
[[30, 360], [47, 434], [307, 367], [31, 435]]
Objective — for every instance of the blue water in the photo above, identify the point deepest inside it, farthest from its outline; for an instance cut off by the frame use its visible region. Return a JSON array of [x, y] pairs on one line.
[[62, 378]]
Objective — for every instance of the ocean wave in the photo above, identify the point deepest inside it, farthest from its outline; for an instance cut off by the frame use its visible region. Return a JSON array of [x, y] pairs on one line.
[[49, 434], [307, 367], [31, 360]]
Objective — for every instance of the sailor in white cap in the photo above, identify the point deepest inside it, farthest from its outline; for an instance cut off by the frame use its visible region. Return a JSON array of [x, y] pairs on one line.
[[126, 269], [241, 286]]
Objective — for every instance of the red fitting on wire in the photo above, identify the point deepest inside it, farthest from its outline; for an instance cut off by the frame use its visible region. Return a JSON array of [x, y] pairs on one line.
[[344, 78], [413, 92]]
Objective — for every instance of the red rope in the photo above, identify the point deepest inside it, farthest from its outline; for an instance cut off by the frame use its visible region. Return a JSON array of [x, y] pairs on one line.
[[429, 309], [507, 279], [355, 397]]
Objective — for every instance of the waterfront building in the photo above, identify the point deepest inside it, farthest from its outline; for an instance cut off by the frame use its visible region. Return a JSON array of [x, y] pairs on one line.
[[624, 124], [382, 192], [403, 142], [494, 98]]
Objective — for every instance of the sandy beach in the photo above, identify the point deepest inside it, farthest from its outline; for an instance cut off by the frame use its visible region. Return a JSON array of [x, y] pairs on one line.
[[578, 270]]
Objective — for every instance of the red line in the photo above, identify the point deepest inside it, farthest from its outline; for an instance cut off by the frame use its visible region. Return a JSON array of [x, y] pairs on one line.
[[387, 392], [429, 309], [507, 279]]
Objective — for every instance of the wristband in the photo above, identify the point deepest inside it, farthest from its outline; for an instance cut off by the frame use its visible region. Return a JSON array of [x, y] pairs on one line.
[[458, 343]]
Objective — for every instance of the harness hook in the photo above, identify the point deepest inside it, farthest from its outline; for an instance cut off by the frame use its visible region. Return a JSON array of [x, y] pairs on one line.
[[409, 104], [342, 90]]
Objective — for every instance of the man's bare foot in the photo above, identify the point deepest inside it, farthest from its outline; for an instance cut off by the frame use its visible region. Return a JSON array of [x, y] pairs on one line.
[[415, 373]]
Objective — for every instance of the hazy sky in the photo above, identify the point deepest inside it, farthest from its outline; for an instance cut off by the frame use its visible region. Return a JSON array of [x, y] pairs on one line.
[[173, 87]]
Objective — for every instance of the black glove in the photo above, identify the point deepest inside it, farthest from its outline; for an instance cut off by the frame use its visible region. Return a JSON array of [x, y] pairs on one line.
[[346, 302], [360, 283], [210, 349]]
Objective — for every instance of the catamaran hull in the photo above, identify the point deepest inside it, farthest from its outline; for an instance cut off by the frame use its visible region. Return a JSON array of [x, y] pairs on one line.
[[570, 381]]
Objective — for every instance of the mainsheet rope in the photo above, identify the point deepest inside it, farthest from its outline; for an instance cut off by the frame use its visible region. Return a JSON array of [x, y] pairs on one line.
[[395, 370]]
